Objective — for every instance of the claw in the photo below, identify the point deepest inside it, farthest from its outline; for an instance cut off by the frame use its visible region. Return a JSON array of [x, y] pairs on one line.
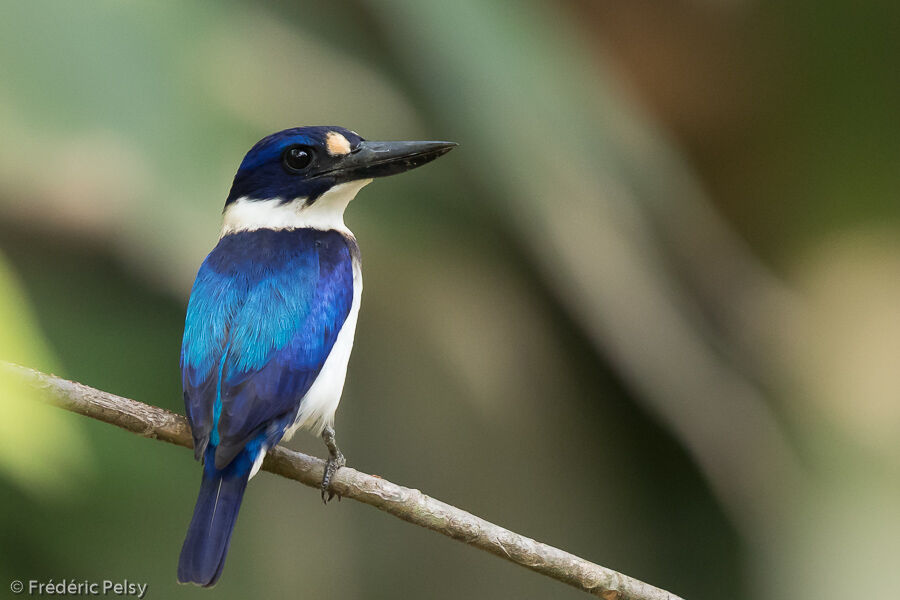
[[331, 467], [335, 461]]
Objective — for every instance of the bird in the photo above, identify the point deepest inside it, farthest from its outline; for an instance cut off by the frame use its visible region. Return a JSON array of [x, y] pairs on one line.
[[272, 315]]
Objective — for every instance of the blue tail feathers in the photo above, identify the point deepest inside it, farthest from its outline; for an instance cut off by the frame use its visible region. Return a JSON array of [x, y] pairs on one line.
[[209, 534]]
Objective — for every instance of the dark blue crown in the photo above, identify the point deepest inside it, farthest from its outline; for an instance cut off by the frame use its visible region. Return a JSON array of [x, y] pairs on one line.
[[263, 174]]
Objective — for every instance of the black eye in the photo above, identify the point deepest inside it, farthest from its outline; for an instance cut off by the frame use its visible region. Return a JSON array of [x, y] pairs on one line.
[[297, 158]]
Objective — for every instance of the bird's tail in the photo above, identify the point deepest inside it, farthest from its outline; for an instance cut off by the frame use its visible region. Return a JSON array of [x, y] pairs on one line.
[[208, 537]]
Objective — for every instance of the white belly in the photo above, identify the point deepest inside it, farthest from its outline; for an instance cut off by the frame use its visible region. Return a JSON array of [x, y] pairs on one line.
[[321, 401]]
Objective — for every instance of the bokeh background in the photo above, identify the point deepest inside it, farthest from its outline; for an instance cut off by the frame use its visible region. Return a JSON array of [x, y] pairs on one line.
[[649, 311]]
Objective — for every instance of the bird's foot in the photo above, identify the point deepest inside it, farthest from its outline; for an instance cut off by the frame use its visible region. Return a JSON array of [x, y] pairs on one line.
[[335, 461]]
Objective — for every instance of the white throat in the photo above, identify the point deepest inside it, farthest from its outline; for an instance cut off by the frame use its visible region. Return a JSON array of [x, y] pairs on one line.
[[327, 212]]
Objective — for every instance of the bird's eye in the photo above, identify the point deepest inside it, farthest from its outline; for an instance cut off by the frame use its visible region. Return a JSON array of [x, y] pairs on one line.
[[297, 158]]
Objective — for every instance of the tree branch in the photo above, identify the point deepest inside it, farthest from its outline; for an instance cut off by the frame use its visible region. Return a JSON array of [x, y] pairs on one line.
[[408, 504]]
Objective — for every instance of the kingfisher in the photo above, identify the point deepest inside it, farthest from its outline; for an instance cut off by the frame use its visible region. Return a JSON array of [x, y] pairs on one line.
[[272, 315]]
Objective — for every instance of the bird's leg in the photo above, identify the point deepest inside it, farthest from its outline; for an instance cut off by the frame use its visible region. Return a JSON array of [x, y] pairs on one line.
[[335, 461]]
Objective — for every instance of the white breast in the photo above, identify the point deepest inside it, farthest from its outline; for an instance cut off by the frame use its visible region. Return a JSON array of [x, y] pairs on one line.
[[321, 401]]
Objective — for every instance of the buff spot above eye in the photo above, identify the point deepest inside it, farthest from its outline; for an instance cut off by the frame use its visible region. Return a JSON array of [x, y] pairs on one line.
[[336, 144]]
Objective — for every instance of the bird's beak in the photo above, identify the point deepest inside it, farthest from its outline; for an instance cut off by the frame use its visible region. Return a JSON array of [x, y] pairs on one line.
[[380, 159]]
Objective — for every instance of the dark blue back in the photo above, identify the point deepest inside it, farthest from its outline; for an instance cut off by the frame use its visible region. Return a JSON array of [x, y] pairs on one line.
[[264, 313]]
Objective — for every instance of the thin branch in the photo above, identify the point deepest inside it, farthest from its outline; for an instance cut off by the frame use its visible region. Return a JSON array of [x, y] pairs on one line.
[[408, 504]]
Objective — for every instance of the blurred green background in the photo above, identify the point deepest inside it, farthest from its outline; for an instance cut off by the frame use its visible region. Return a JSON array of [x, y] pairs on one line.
[[648, 312]]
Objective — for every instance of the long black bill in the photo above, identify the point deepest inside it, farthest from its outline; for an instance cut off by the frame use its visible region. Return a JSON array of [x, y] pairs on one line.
[[380, 159]]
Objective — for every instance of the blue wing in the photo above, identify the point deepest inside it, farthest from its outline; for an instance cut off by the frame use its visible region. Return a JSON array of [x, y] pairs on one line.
[[263, 316]]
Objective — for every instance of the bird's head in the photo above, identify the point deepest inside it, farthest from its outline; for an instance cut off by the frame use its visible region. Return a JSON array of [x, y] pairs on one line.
[[306, 176]]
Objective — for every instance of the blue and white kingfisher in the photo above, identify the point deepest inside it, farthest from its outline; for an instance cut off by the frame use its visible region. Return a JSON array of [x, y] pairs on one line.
[[272, 315]]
